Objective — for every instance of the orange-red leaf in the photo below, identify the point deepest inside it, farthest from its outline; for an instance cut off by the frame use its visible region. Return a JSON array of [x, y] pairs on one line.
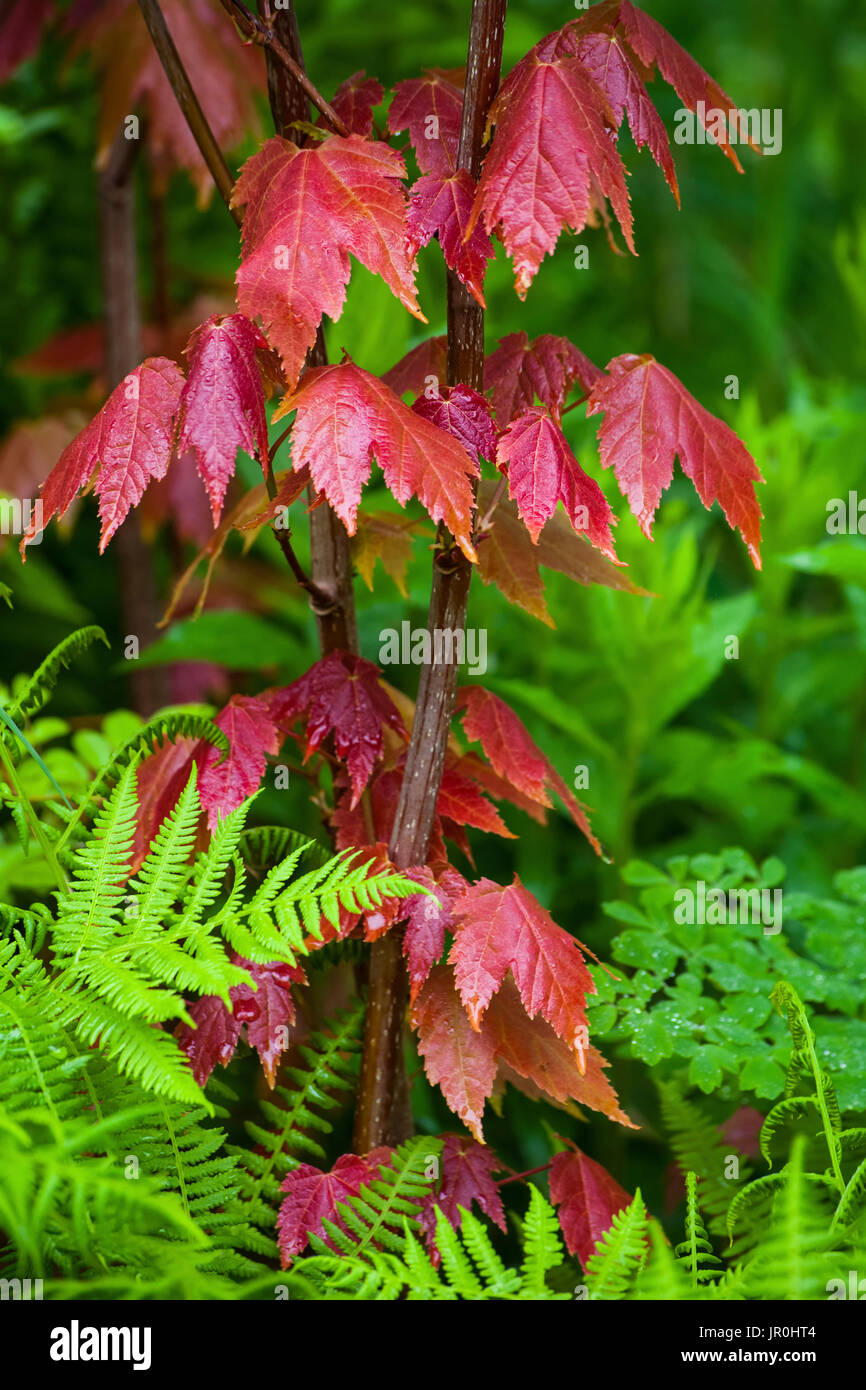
[[306, 210], [498, 930], [130, 441], [649, 419], [536, 457], [588, 1198], [222, 406], [346, 417], [552, 147], [461, 1062]]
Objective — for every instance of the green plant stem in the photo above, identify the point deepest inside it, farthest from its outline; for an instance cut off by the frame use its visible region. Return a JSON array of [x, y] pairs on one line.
[[33, 820]]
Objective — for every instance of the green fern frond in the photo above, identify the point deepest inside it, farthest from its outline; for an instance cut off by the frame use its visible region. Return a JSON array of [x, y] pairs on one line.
[[698, 1148], [619, 1255], [39, 686], [375, 1217], [695, 1254], [294, 1119], [542, 1246], [795, 1257]]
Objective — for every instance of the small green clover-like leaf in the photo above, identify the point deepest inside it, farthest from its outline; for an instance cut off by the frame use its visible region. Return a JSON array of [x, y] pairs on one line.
[[649, 1037], [709, 1065], [763, 1076], [649, 952], [602, 1018], [624, 912], [752, 1010], [639, 874]]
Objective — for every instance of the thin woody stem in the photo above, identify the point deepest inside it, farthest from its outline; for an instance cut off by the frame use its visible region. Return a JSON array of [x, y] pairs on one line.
[[379, 1117], [494, 503], [330, 589], [260, 33], [189, 103]]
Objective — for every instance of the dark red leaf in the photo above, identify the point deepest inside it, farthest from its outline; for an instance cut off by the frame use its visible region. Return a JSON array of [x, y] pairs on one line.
[[341, 694], [312, 1196], [546, 368], [588, 1199], [422, 369], [354, 101], [466, 1179], [222, 406], [542, 471], [441, 205], [463, 413], [431, 108]]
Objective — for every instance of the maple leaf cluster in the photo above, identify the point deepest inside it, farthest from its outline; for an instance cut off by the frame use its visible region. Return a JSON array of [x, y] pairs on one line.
[[497, 988]]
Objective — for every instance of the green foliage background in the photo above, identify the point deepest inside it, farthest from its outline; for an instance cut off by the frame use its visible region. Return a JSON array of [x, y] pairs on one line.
[[762, 276]]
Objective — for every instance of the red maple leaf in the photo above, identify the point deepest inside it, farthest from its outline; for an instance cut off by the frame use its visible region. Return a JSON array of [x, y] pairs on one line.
[[354, 101], [464, 414], [609, 62], [213, 1038], [535, 456], [306, 210], [267, 1012], [588, 1199], [431, 108], [222, 405], [528, 1050], [427, 920], [498, 930], [509, 1045], [467, 1169], [252, 732], [421, 369], [461, 1062], [341, 695], [461, 802], [160, 779], [312, 1197], [649, 418], [440, 205], [546, 368], [513, 755], [654, 46], [551, 155], [130, 442], [346, 417]]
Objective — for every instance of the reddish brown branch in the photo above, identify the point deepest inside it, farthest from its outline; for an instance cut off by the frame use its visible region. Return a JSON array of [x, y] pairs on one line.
[[258, 32], [381, 1116], [122, 318], [188, 102]]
